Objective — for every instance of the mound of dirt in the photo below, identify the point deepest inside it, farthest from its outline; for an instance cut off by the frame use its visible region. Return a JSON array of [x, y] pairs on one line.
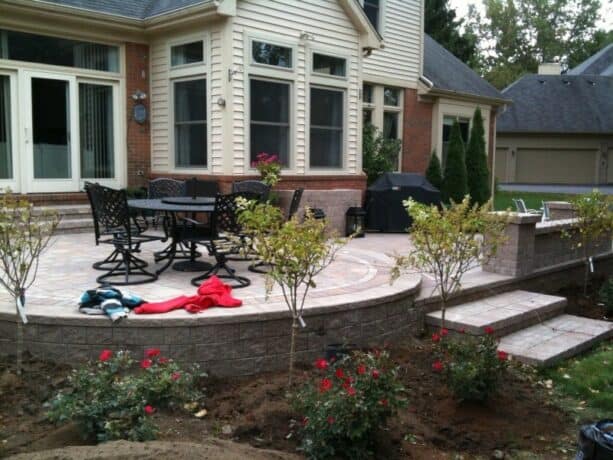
[[123, 450]]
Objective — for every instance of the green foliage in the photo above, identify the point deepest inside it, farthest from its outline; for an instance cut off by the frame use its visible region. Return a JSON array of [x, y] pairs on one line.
[[588, 48], [379, 155], [455, 182], [472, 366], [595, 220], [269, 168], [113, 399], [476, 162], [434, 173], [446, 243], [346, 403], [605, 295], [441, 23], [515, 36]]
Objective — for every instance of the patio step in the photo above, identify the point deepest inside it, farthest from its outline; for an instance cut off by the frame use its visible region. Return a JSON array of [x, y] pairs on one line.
[[558, 338], [75, 225], [76, 218], [505, 313]]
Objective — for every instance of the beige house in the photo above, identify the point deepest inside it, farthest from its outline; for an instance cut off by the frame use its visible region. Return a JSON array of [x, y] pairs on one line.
[[559, 129]]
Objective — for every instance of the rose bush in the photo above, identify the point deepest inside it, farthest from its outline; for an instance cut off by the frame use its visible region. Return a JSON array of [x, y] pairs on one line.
[[345, 404], [115, 397], [472, 365], [269, 168]]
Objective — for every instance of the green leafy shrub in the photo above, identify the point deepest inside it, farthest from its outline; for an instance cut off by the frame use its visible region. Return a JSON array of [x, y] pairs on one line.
[[476, 162], [269, 168], [379, 154], [115, 397], [434, 173], [606, 296], [346, 403], [455, 185], [472, 365]]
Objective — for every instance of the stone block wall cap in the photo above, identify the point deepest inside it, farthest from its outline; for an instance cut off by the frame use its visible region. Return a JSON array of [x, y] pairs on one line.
[[520, 218], [559, 205]]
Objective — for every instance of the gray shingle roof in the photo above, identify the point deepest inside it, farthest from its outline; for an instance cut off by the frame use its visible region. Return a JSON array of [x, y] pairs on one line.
[[134, 9], [559, 104], [600, 63], [448, 73]]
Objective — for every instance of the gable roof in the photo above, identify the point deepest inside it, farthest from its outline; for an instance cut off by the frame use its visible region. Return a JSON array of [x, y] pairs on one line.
[[559, 104], [600, 63], [135, 9], [448, 73]]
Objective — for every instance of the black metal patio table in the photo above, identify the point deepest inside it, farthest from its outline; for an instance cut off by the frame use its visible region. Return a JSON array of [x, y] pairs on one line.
[[173, 206]]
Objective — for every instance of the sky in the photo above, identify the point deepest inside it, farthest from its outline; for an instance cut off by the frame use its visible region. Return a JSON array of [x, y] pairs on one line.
[[606, 14]]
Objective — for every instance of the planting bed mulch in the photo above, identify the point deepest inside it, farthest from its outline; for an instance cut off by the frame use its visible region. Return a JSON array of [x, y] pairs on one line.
[[588, 304], [254, 411]]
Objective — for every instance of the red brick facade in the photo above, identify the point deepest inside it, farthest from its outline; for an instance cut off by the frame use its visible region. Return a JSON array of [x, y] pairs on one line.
[[417, 133], [138, 146]]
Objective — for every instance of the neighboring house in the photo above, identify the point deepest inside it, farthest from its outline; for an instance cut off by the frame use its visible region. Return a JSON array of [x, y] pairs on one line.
[[559, 129], [118, 91]]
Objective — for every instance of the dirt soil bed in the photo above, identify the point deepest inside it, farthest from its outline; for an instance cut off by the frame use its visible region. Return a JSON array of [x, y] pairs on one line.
[[581, 304], [255, 413]]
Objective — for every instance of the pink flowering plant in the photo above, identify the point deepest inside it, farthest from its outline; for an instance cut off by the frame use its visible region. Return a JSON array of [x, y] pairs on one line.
[[345, 403], [471, 365], [269, 168], [116, 396]]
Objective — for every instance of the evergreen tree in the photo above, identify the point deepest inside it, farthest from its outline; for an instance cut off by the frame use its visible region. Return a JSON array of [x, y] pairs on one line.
[[434, 173], [476, 162], [455, 185]]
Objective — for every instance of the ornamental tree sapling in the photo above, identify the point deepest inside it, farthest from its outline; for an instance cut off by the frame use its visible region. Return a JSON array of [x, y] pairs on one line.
[[24, 235], [595, 220], [296, 253], [448, 242]]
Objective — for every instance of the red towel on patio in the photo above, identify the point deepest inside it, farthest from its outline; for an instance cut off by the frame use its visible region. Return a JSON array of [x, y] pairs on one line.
[[211, 293]]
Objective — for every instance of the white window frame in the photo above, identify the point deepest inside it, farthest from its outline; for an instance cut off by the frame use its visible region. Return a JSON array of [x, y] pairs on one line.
[[275, 42], [380, 28], [14, 182], [187, 41], [323, 52], [343, 166]]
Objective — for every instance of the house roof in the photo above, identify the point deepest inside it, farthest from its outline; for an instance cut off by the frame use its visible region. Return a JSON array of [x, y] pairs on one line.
[[136, 9], [600, 63], [448, 73], [559, 104]]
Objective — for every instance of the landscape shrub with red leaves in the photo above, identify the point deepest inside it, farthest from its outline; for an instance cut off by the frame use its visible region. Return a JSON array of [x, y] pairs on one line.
[[346, 403]]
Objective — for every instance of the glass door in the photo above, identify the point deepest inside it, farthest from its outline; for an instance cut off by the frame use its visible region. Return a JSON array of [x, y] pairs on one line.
[[8, 174], [51, 134]]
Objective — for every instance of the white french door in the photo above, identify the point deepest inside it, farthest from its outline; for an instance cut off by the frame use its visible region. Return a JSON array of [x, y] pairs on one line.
[[9, 170], [51, 132]]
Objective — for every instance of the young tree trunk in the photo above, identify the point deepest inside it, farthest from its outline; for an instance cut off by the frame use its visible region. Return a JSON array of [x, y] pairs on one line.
[[443, 310], [292, 352], [19, 344]]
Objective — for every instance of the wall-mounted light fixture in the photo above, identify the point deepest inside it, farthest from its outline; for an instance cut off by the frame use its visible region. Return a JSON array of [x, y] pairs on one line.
[[139, 95], [307, 36], [221, 102], [231, 73]]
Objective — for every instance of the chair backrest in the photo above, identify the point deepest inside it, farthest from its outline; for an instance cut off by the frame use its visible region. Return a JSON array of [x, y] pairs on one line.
[[197, 187], [520, 205], [546, 212], [111, 209], [295, 203], [252, 186], [165, 187], [90, 196], [225, 215]]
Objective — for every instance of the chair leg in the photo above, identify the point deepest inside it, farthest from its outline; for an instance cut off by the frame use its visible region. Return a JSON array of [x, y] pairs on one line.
[[127, 271], [259, 267], [111, 261], [235, 281]]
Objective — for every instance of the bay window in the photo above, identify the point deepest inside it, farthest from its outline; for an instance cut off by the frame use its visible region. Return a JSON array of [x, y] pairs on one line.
[[270, 119], [326, 133], [190, 123]]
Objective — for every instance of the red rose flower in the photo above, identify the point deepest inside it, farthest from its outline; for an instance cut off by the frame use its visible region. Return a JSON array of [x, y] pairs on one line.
[[339, 373], [351, 391], [149, 410], [163, 360], [105, 355], [488, 330], [375, 374], [436, 337], [361, 369], [444, 332], [462, 331], [437, 366], [331, 420], [383, 402], [175, 376], [325, 385], [146, 363], [305, 421], [152, 352], [321, 364], [503, 355]]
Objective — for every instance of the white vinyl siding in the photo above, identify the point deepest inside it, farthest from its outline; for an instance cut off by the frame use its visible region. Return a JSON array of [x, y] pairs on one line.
[[307, 26], [399, 63]]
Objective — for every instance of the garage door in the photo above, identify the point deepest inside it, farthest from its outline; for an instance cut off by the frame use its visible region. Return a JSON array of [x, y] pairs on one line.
[[536, 166]]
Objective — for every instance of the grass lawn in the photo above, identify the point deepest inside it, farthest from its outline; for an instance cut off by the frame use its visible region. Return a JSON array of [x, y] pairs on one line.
[[504, 200], [586, 383]]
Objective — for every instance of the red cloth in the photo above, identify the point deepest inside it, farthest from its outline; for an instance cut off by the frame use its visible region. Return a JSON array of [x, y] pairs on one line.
[[211, 293]]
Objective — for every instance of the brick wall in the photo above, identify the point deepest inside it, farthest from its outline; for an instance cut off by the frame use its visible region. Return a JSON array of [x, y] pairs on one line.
[[417, 133], [138, 136]]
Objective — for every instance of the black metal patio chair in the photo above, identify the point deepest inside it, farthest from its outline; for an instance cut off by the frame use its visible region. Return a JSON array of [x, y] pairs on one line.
[[222, 240], [116, 227], [252, 186], [197, 187]]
